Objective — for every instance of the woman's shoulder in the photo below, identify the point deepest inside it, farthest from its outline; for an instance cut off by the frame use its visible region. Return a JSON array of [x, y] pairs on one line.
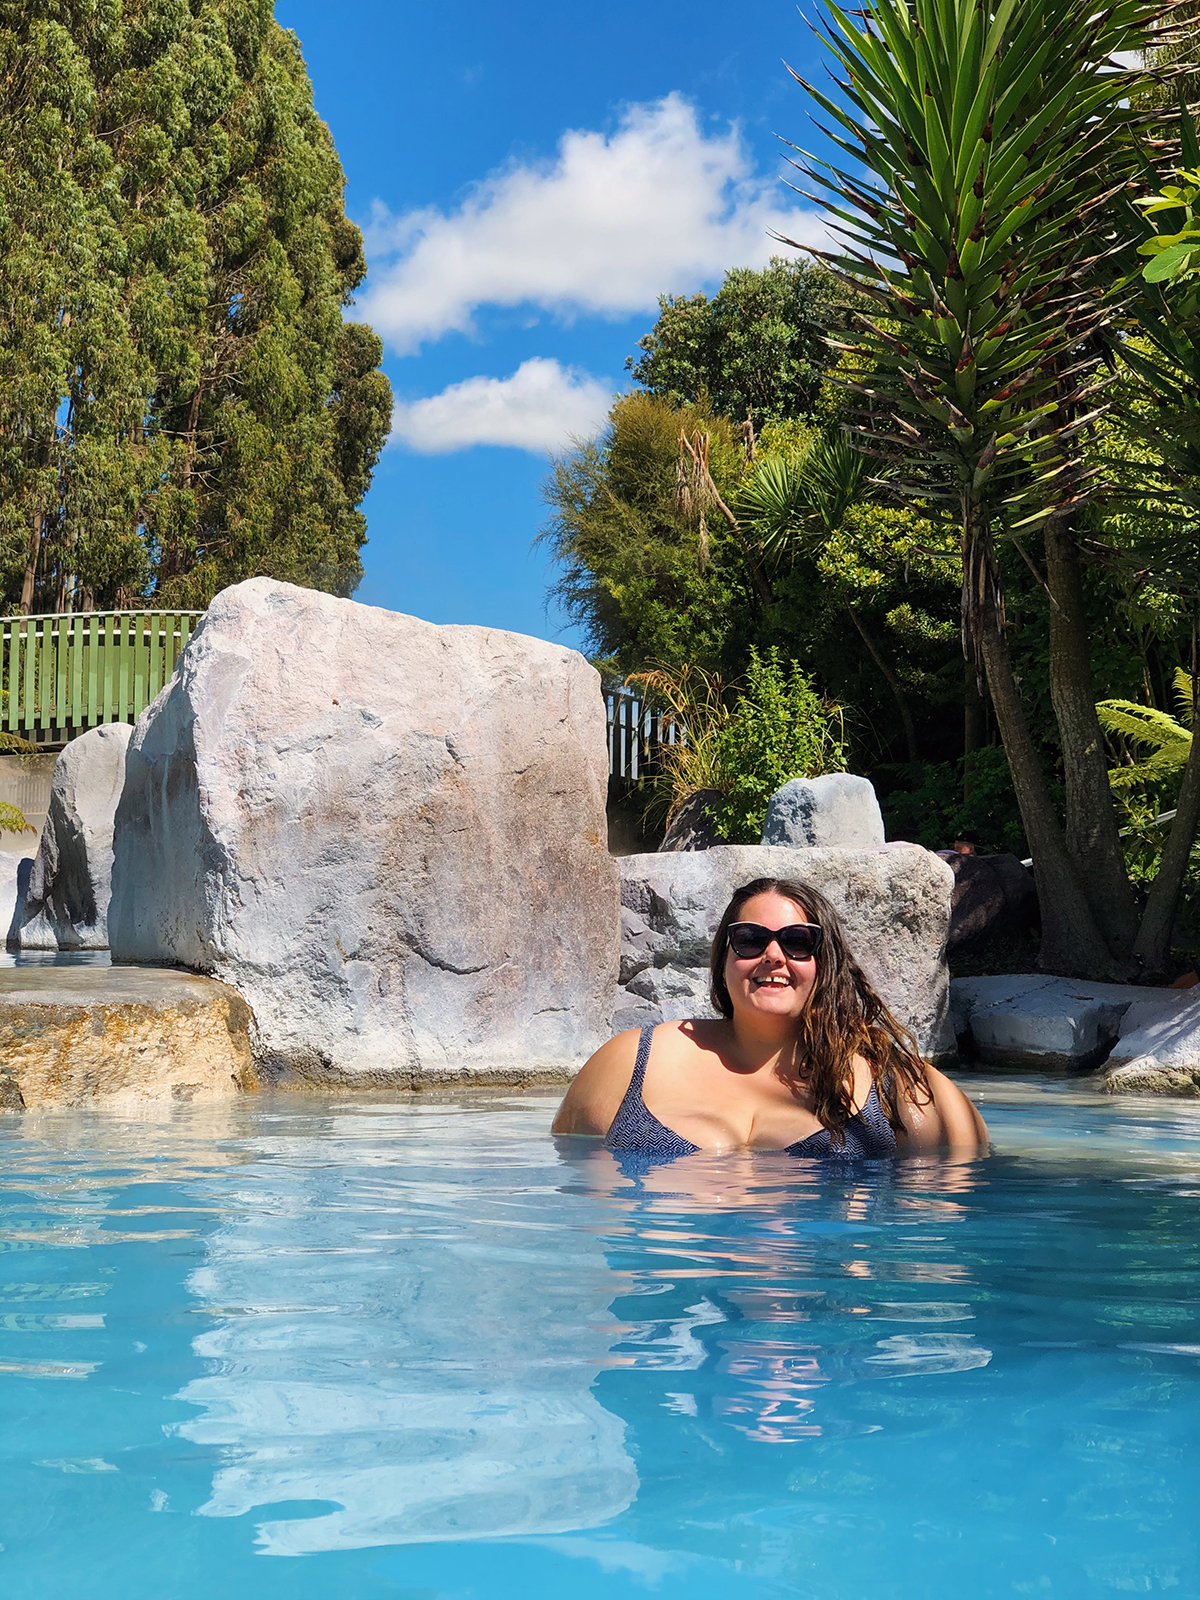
[[597, 1090], [944, 1116]]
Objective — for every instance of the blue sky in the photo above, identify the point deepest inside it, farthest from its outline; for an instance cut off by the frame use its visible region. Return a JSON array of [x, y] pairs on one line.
[[530, 178]]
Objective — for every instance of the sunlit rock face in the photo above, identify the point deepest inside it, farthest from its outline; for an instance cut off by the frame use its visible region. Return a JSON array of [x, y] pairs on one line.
[[894, 902], [429, 1379], [390, 837], [66, 902], [122, 1036]]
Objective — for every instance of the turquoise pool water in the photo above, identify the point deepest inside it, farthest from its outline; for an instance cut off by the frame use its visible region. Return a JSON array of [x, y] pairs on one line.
[[382, 1348]]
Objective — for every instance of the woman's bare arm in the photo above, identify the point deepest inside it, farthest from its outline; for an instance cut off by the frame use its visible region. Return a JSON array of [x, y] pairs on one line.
[[947, 1120], [596, 1092]]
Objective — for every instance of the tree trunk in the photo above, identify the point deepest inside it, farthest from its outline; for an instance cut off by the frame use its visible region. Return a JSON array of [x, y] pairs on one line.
[[31, 564], [1091, 825], [972, 726], [1071, 942], [1153, 947], [906, 721]]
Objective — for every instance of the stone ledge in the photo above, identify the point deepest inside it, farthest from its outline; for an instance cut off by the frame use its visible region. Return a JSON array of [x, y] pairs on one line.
[[1148, 1038], [89, 1036]]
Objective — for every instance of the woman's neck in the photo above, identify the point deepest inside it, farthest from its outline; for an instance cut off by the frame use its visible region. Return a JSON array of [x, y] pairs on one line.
[[763, 1041]]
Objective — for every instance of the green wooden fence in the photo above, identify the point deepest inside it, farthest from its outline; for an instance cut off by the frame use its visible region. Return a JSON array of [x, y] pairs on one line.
[[62, 674]]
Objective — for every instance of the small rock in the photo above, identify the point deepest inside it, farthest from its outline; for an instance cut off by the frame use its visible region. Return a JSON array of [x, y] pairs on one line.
[[1158, 1049], [66, 901], [1148, 1075], [11, 1098], [692, 827], [15, 872], [836, 811]]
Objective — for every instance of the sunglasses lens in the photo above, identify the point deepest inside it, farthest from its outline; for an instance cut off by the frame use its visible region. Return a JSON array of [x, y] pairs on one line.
[[747, 941], [800, 942]]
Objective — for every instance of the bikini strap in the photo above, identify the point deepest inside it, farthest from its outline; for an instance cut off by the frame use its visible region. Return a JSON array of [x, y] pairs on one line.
[[643, 1056]]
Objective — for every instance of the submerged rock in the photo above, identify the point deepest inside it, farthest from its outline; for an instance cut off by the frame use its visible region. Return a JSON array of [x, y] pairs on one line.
[[388, 836], [65, 903], [82, 1036], [894, 900], [836, 811]]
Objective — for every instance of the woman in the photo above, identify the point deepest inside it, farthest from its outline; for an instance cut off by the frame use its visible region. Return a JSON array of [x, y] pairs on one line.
[[805, 1057]]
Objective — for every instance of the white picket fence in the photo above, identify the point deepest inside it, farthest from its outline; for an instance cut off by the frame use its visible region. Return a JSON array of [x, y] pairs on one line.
[[635, 731]]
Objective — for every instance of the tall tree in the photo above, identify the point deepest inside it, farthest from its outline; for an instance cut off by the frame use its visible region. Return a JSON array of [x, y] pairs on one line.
[[182, 403], [992, 137]]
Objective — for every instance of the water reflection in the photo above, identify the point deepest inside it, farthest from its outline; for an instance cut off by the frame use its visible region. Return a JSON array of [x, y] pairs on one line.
[[413, 1349]]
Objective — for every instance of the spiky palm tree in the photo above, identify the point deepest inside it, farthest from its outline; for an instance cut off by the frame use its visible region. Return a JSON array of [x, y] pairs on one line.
[[985, 142]]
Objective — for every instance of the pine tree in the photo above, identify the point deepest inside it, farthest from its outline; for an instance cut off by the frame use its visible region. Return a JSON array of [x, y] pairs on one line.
[[182, 403]]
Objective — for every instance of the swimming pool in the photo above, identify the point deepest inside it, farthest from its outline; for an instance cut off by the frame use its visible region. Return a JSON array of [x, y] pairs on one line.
[[380, 1348]]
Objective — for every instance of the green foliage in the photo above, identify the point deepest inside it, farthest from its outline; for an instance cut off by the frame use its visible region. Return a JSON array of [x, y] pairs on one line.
[[757, 348], [1169, 740], [14, 821], [745, 741], [1173, 255], [982, 127], [647, 584], [932, 805], [780, 729], [181, 402]]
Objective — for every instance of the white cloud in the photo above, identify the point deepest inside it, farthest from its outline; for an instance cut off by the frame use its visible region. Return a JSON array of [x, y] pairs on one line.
[[541, 407], [605, 228]]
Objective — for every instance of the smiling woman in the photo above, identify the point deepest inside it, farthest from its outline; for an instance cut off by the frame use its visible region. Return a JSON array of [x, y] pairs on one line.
[[805, 1057]]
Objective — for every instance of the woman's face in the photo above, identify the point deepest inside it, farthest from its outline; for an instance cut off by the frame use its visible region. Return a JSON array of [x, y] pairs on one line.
[[770, 985]]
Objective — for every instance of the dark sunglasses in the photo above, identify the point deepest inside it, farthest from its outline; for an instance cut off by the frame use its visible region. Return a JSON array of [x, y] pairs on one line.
[[799, 942]]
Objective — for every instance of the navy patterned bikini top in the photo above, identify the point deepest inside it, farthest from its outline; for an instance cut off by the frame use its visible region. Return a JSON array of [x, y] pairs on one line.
[[636, 1131]]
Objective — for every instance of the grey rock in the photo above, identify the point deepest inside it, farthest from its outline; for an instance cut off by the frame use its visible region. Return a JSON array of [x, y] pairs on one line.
[[692, 826], [388, 836], [993, 895], [65, 904], [895, 902], [1033, 1020], [837, 811], [639, 944], [1158, 1048], [15, 872], [11, 1098]]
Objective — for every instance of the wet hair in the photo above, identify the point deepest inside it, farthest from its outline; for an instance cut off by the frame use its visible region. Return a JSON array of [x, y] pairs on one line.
[[844, 1017]]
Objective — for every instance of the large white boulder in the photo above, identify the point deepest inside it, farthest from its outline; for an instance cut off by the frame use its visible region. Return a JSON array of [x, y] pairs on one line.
[[837, 811], [388, 836], [65, 905], [894, 901], [1034, 1020]]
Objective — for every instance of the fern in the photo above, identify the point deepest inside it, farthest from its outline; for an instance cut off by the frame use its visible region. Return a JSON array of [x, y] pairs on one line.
[[14, 821], [1169, 739]]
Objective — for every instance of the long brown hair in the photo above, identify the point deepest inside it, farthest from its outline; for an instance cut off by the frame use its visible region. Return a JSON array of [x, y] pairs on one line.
[[844, 1017]]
